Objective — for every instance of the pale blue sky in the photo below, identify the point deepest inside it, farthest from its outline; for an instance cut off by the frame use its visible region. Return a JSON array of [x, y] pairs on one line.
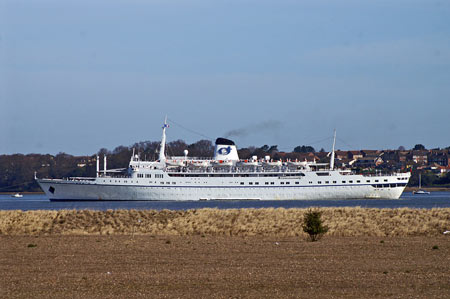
[[76, 76]]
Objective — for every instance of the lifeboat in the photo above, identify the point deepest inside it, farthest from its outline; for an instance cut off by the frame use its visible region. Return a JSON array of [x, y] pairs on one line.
[[199, 163], [273, 163], [175, 163], [222, 163], [252, 162], [297, 163]]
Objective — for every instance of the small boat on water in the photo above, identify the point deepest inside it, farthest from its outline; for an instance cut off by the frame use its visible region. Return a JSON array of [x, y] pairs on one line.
[[420, 191], [17, 195]]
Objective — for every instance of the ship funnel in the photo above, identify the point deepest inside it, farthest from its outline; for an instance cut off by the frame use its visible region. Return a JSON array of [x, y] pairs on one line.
[[225, 150]]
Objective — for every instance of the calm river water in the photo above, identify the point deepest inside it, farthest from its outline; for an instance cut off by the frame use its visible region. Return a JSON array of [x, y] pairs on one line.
[[41, 202]]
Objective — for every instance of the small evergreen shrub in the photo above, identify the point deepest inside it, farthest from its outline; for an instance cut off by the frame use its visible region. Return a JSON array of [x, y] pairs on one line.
[[312, 225], [435, 247]]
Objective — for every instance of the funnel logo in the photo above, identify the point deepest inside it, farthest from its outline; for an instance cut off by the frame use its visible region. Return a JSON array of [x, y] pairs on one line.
[[224, 150]]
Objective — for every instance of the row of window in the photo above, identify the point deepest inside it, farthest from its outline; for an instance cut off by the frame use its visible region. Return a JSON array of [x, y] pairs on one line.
[[147, 175], [389, 185], [288, 183], [231, 175], [268, 183]]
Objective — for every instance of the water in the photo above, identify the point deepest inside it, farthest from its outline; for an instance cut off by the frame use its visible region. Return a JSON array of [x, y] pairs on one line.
[[41, 202]]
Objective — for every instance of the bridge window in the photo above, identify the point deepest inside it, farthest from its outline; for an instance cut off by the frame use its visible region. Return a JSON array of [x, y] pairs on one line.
[[322, 173]]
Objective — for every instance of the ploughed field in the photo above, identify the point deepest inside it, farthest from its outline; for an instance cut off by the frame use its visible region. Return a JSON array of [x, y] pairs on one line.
[[211, 253], [126, 266]]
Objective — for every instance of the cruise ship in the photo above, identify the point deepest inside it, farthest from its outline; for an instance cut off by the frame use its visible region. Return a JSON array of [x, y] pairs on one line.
[[224, 177]]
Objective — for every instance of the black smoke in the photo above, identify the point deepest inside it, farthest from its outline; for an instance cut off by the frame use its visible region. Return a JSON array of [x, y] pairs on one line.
[[262, 127]]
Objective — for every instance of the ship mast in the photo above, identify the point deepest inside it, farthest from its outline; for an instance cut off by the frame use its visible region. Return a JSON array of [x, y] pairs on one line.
[[332, 152], [162, 156]]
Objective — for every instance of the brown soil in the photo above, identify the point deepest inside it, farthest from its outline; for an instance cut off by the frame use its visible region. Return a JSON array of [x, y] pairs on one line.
[[124, 266]]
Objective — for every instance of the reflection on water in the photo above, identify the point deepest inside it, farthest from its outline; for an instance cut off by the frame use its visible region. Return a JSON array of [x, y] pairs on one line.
[[408, 200]]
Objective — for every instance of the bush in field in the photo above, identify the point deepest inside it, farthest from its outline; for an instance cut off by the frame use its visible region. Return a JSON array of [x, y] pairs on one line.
[[312, 225]]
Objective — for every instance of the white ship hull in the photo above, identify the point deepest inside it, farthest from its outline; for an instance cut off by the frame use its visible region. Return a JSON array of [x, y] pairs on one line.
[[224, 177], [335, 186]]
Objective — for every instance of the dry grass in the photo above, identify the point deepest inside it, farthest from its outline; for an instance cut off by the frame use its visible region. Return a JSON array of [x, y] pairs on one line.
[[343, 222]]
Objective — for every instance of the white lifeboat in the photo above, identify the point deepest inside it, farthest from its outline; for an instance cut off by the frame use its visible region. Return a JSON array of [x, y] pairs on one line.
[[222, 163], [248, 163], [199, 163], [298, 163], [273, 163], [252, 162], [175, 163]]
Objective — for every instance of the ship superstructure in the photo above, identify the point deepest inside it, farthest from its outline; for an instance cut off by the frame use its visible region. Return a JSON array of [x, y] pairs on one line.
[[225, 177]]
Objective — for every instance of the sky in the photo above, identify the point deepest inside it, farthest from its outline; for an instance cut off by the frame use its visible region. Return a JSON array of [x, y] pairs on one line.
[[78, 76]]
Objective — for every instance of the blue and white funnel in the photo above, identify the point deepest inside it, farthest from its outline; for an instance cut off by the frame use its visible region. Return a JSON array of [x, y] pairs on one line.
[[225, 150]]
